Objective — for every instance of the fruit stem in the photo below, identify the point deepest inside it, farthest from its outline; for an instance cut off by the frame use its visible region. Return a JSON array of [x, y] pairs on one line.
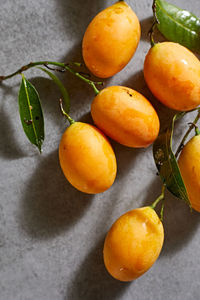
[[180, 147], [88, 81], [71, 121], [151, 32], [161, 197], [64, 67], [197, 131], [162, 209]]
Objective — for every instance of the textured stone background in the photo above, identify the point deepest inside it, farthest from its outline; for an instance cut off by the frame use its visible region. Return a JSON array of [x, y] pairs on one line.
[[51, 236]]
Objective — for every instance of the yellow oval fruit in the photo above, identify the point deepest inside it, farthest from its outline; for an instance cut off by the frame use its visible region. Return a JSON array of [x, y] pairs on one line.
[[172, 73], [133, 244], [87, 158], [111, 40], [126, 116], [189, 164]]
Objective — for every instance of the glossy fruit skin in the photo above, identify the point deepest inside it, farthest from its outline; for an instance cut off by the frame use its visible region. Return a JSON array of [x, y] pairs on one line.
[[126, 116], [172, 73], [87, 158], [133, 244], [189, 164], [111, 40]]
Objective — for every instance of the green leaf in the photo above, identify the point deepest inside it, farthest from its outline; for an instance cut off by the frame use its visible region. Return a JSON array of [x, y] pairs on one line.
[[177, 25], [167, 164], [63, 90], [31, 113]]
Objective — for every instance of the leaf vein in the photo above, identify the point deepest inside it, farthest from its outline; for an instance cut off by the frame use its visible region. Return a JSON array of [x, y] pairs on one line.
[[175, 21], [28, 100]]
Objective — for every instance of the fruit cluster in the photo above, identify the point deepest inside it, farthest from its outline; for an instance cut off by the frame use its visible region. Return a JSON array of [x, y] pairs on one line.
[[172, 73]]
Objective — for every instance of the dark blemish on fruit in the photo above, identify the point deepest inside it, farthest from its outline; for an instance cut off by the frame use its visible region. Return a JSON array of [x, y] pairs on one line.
[[127, 91], [28, 122]]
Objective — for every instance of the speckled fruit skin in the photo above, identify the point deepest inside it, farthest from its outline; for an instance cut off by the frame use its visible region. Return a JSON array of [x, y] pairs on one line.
[[126, 116], [133, 244], [87, 158], [172, 73], [189, 164], [111, 40]]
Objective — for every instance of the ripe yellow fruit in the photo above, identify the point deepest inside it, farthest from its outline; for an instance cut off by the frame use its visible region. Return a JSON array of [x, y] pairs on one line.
[[111, 40], [189, 164], [87, 158], [172, 73], [133, 244], [126, 116]]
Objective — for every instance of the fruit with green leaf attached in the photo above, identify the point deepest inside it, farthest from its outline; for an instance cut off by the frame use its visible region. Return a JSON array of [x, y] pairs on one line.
[[189, 164], [172, 73]]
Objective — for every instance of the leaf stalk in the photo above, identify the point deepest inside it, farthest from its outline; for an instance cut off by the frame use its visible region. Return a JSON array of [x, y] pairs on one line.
[[64, 66]]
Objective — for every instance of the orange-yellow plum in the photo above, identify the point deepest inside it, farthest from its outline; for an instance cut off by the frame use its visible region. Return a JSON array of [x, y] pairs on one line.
[[126, 116], [133, 244], [189, 164], [111, 40], [87, 158], [172, 73]]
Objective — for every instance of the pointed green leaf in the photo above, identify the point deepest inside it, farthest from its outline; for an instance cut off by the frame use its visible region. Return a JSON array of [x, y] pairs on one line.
[[63, 90], [31, 113], [167, 164], [177, 25]]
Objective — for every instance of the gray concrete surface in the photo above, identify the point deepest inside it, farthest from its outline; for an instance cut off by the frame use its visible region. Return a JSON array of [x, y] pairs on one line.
[[51, 235]]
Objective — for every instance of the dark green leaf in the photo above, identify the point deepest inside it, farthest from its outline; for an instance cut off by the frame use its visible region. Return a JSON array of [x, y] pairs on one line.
[[63, 90], [167, 164], [31, 113], [177, 25]]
